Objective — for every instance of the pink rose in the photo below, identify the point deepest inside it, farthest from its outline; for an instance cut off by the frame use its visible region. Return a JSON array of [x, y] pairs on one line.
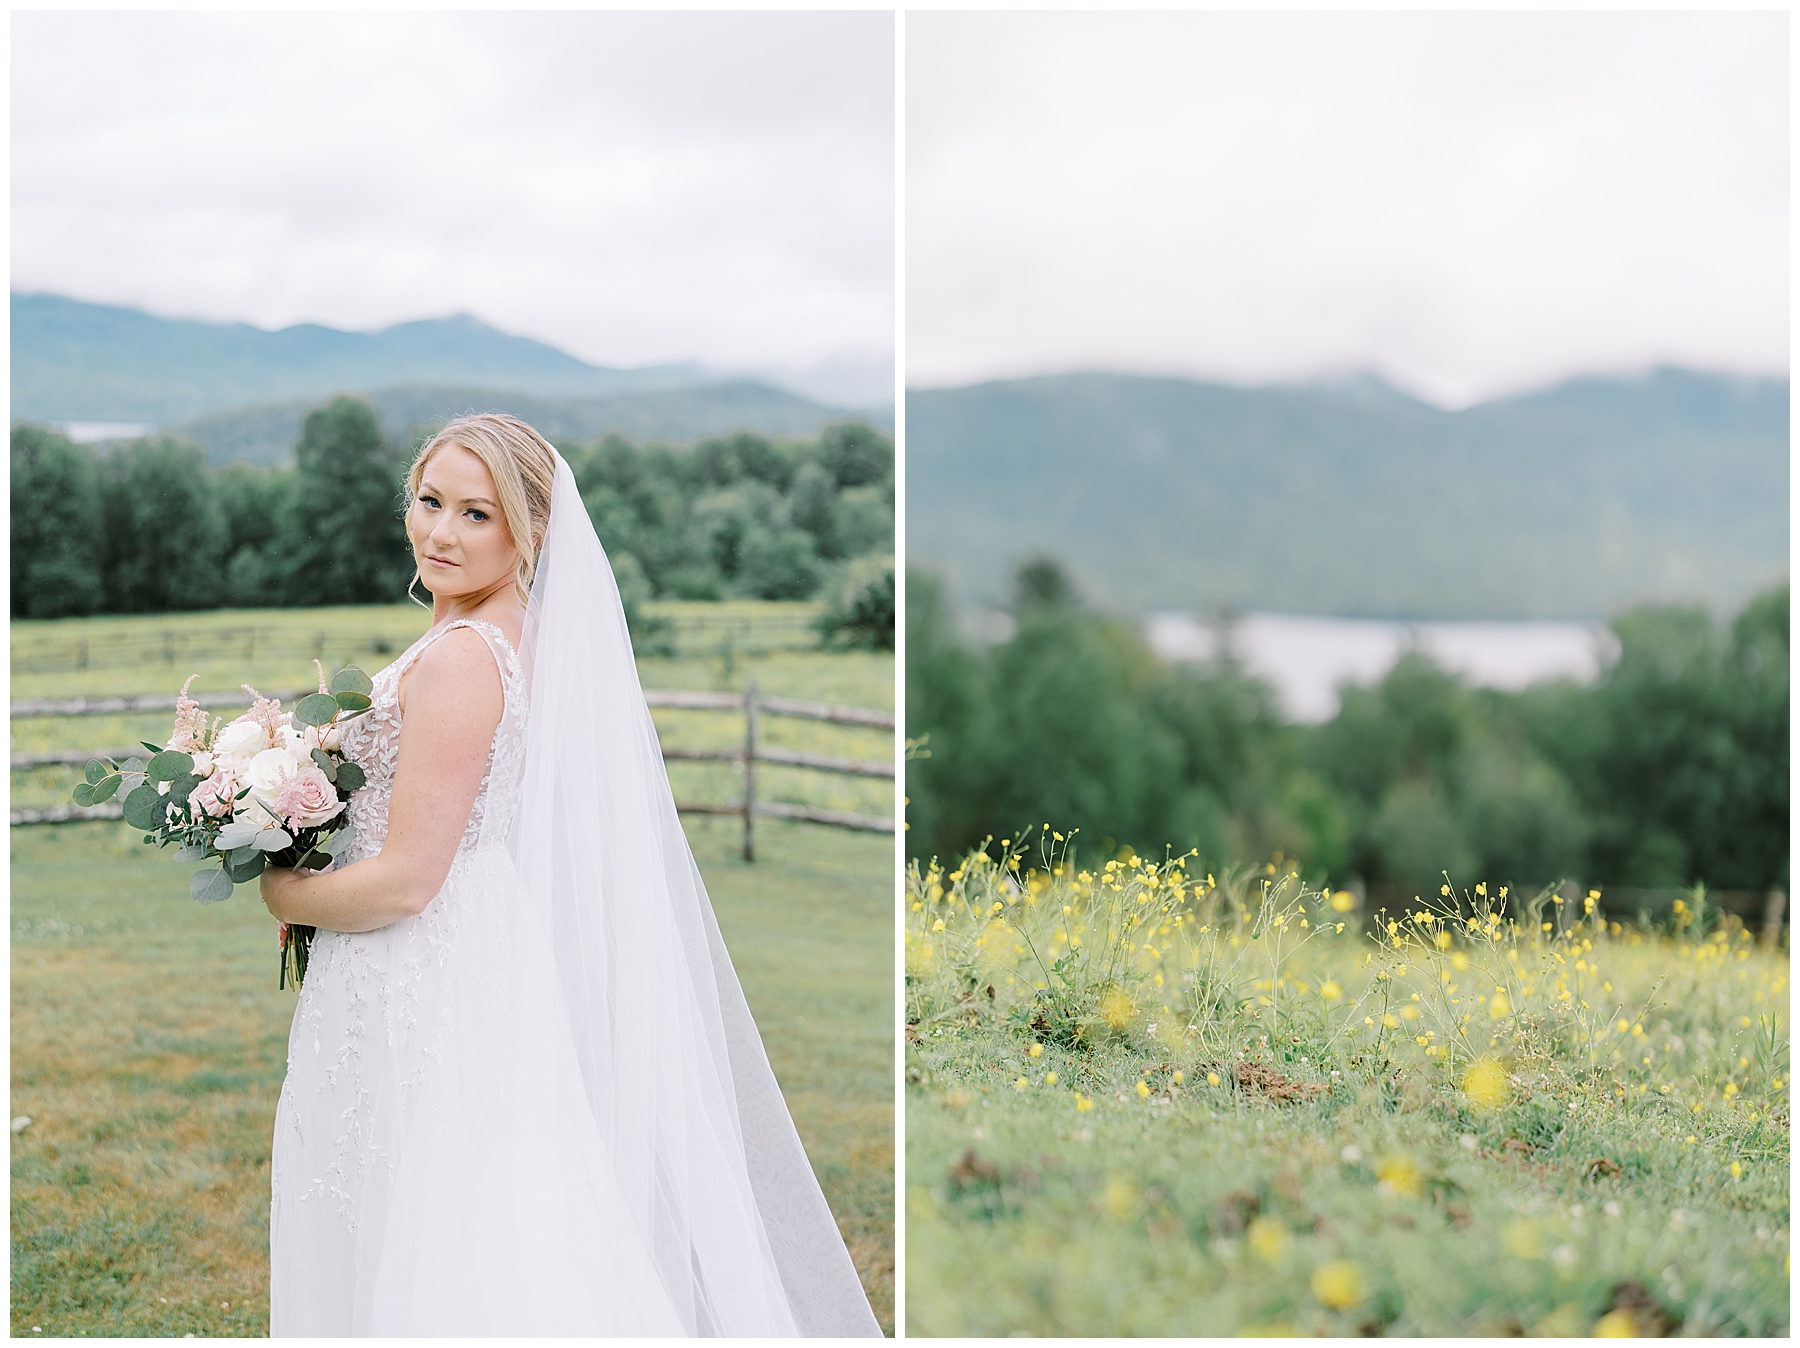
[[213, 796], [306, 798]]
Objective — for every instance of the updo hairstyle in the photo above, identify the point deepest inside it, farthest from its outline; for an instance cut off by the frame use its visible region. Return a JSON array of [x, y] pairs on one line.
[[523, 467]]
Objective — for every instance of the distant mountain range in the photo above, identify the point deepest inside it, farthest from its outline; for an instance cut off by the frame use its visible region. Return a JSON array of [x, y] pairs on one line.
[[1354, 498], [266, 435], [242, 391]]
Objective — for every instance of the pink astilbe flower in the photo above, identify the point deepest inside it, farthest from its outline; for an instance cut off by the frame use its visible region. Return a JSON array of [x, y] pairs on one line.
[[266, 711], [324, 684], [190, 734]]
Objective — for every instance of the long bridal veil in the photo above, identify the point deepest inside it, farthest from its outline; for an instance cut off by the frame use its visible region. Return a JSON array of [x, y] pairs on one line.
[[712, 1170]]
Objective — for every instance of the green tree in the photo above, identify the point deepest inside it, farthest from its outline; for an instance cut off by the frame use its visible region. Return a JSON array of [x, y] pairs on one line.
[[859, 609], [776, 563], [343, 540], [950, 787], [856, 454], [253, 503], [58, 526], [1680, 755], [813, 506], [1042, 581], [164, 529]]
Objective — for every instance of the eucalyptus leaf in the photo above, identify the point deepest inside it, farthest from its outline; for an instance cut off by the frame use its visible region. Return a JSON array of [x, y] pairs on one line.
[[83, 794], [183, 787], [350, 679], [327, 764], [104, 789], [95, 770], [143, 807], [236, 835], [315, 709], [168, 765], [249, 867], [190, 851], [353, 701], [272, 840], [133, 765], [210, 886], [335, 845], [350, 777]]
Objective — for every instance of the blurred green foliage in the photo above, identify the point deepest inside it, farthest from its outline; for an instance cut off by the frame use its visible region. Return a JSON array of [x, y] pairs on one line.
[[859, 605], [147, 527], [1672, 769]]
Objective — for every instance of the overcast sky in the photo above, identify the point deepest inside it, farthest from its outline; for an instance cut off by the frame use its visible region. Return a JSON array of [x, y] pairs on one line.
[[1469, 204], [633, 188]]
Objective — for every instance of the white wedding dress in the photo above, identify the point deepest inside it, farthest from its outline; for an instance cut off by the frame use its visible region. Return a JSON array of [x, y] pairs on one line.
[[492, 1125], [435, 1170]]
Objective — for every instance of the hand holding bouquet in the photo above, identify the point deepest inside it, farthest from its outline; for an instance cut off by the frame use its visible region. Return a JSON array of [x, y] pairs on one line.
[[267, 789]]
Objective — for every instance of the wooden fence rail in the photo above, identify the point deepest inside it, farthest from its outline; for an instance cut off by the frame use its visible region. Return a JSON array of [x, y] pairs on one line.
[[675, 699], [750, 702]]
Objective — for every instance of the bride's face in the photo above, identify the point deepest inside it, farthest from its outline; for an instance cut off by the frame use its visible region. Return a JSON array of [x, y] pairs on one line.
[[459, 538]]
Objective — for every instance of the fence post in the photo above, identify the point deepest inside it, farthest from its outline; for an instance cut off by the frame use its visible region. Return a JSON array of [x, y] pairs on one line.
[[1772, 910], [750, 771]]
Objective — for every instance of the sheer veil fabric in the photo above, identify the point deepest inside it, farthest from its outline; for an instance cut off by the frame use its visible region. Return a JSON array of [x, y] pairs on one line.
[[712, 1173]]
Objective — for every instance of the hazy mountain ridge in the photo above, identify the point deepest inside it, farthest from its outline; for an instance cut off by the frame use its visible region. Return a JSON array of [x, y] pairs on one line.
[[1170, 493], [266, 435], [242, 391], [74, 361]]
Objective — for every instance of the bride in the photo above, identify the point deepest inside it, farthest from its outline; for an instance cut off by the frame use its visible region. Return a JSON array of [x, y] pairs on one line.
[[524, 1093]]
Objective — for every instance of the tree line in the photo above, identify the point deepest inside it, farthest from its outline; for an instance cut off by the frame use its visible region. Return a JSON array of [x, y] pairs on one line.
[[148, 527], [1671, 769]]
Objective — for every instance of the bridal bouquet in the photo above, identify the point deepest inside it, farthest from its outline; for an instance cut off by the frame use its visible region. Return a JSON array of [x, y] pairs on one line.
[[267, 789]]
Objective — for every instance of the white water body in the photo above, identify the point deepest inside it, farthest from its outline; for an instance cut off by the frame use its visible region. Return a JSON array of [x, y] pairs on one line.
[[1306, 658], [92, 432]]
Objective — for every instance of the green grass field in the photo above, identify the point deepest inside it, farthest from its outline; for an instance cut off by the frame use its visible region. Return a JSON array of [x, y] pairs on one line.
[[148, 1037], [1203, 1113]]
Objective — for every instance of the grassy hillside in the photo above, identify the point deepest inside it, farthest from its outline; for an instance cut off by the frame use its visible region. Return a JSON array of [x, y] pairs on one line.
[[1354, 498]]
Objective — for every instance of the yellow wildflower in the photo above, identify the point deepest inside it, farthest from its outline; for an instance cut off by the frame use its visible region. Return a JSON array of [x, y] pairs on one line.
[[1268, 1237], [1338, 1284], [1485, 1083]]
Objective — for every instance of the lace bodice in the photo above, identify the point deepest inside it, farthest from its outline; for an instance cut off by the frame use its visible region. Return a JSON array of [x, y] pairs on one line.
[[372, 741]]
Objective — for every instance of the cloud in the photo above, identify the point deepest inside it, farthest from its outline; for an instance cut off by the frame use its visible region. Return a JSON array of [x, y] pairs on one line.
[[1467, 203], [635, 188]]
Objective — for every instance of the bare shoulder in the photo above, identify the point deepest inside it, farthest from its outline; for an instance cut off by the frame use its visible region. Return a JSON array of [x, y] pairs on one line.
[[455, 677]]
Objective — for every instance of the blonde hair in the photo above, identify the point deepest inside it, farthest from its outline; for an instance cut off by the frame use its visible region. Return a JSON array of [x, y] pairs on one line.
[[523, 466]]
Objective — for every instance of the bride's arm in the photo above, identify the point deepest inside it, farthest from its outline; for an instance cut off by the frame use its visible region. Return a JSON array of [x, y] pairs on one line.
[[451, 704]]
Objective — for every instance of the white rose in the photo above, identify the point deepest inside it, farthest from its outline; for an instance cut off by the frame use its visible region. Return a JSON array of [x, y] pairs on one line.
[[203, 764], [269, 769], [295, 739], [250, 810], [242, 740], [333, 739]]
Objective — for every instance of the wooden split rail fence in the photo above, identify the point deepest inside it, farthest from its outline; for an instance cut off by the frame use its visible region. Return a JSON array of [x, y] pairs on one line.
[[751, 703]]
